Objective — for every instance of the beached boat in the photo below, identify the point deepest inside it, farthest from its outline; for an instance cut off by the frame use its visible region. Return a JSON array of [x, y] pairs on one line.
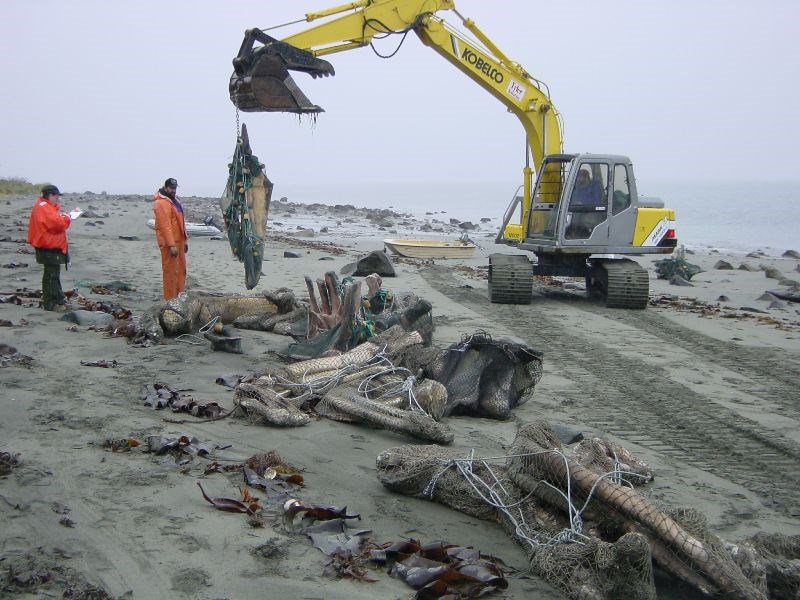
[[192, 229], [431, 248]]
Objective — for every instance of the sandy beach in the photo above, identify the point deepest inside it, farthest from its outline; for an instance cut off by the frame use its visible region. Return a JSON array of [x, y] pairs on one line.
[[702, 388]]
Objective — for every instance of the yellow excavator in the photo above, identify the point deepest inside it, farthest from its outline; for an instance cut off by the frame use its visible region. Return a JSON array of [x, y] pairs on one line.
[[577, 217]]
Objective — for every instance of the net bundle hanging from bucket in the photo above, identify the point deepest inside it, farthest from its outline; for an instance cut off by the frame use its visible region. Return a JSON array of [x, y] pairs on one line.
[[245, 205]]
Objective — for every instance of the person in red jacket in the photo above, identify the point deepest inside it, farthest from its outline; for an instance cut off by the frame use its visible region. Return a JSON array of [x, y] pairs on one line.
[[171, 238], [47, 233]]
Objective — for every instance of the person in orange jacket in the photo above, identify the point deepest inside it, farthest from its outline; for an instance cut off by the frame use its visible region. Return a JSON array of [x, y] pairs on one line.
[[47, 233], [171, 238]]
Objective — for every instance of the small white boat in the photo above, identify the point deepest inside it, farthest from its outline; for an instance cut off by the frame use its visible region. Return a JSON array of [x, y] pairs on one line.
[[192, 229], [430, 248]]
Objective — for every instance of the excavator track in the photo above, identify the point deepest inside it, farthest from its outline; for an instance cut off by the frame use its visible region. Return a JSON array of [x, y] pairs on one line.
[[510, 279], [625, 282]]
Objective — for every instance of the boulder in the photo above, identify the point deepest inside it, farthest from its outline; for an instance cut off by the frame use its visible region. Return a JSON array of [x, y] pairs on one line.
[[753, 310], [789, 283], [777, 304], [374, 262], [723, 265], [790, 295], [567, 435]]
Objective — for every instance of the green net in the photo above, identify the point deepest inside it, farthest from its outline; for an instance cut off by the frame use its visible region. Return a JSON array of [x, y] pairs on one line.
[[245, 205], [667, 268]]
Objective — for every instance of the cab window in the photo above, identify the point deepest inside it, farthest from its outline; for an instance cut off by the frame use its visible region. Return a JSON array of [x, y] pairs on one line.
[[622, 190]]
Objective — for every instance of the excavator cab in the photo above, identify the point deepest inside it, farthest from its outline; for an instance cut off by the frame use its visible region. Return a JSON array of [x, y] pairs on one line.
[[261, 81], [587, 204]]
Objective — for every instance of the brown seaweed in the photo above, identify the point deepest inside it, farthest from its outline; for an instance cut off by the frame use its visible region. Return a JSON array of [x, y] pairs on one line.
[[439, 569], [160, 395], [121, 444], [192, 446], [250, 506], [294, 508]]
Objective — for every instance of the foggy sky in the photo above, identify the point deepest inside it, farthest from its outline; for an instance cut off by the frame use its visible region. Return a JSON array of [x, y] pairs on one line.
[[116, 96]]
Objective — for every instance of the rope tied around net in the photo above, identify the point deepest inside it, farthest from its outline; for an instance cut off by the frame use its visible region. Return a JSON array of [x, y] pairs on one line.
[[318, 386], [393, 389], [490, 495], [210, 325]]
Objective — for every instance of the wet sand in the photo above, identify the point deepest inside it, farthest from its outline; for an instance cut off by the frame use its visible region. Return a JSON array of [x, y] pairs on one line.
[[702, 389]]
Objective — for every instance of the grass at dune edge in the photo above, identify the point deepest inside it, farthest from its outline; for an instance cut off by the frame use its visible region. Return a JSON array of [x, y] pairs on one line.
[[18, 185]]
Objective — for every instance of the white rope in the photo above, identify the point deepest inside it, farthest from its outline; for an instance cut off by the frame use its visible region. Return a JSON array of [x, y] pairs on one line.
[[210, 325], [181, 337], [489, 494]]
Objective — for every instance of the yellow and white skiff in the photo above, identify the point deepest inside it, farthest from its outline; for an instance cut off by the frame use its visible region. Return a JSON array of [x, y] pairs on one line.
[[430, 248]]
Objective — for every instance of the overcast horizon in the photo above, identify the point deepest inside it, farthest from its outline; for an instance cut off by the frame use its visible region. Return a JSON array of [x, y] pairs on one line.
[[110, 97]]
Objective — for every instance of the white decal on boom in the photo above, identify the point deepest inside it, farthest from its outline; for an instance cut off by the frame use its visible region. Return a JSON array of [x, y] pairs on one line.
[[516, 90]]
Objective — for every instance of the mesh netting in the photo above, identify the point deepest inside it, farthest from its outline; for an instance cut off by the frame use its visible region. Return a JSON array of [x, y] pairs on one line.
[[245, 205], [481, 488], [483, 376], [361, 385], [545, 500], [776, 557], [189, 311], [689, 551]]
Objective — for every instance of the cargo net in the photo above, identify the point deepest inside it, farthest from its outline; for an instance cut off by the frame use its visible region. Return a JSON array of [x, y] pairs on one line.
[[362, 385], [773, 556], [483, 377], [586, 529]]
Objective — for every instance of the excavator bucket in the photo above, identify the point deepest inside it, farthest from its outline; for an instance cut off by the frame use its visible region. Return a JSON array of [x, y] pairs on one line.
[[261, 81]]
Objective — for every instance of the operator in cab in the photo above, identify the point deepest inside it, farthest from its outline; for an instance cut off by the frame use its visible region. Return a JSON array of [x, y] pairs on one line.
[[587, 192]]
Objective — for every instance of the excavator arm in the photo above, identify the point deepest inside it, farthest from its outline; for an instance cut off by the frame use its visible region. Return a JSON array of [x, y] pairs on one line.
[[261, 80]]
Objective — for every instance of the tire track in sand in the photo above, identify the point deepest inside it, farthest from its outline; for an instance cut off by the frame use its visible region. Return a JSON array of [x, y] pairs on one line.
[[641, 403]]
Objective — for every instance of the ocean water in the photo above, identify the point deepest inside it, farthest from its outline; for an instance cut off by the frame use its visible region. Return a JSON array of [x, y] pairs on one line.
[[736, 218]]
